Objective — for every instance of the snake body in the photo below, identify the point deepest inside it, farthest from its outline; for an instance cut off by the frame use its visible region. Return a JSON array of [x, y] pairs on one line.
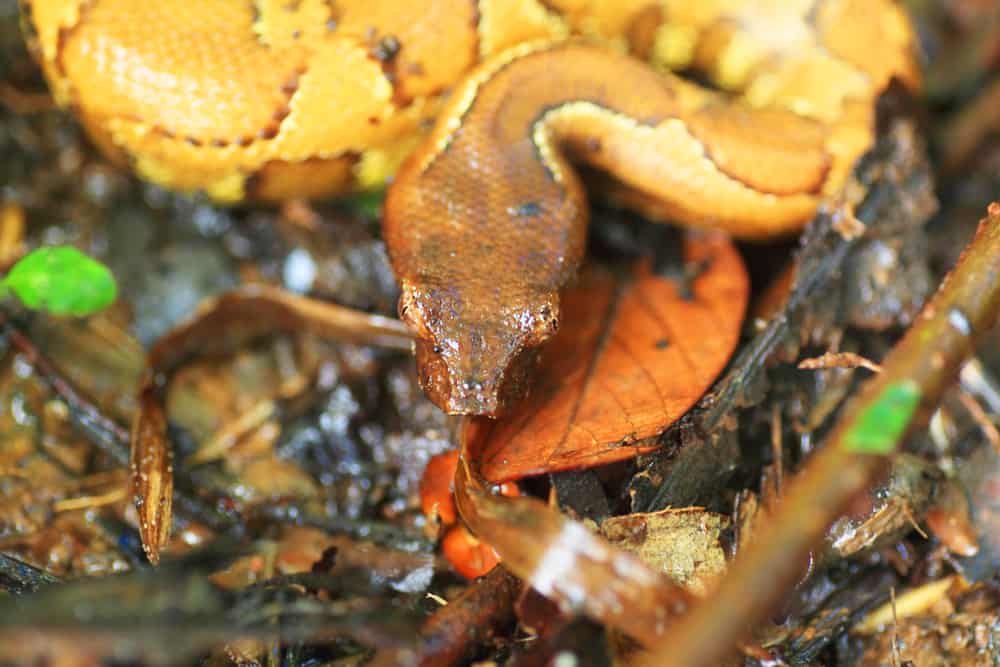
[[485, 221]]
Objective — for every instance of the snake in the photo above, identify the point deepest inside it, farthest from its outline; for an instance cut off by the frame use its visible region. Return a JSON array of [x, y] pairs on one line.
[[739, 115]]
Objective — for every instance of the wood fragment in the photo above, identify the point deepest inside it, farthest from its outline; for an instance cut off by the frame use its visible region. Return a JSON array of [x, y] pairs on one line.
[[848, 360], [88, 502], [953, 526], [907, 605], [12, 225]]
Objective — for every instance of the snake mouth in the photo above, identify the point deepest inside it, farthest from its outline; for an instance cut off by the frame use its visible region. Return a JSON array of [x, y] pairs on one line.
[[475, 396], [477, 387]]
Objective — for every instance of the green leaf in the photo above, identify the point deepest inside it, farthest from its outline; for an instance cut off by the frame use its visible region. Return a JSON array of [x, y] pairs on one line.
[[63, 281], [880, 427]]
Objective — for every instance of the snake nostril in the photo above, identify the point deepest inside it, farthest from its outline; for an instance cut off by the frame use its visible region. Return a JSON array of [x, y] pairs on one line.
[[472, 385], [473, 398]]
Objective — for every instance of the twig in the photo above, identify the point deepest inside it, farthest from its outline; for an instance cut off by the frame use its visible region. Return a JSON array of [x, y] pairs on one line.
[[89, 502], [915, 374], [982, 419], [847, 360]]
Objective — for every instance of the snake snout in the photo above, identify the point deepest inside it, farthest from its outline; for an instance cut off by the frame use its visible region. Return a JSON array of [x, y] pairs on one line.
[[484, 380], [476, 394]]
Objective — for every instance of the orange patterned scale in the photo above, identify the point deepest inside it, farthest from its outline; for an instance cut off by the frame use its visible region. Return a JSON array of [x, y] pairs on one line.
[[233, 97], [486, 220]]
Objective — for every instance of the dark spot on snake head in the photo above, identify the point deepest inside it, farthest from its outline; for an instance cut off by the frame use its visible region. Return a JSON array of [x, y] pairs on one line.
[[527, 210]]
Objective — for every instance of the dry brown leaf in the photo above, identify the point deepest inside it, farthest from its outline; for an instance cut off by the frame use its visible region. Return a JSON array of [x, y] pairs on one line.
[[631, 356], [151, 475]]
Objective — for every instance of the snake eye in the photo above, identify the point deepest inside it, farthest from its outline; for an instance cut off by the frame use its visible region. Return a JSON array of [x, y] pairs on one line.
[[411, 313], [544, 323]]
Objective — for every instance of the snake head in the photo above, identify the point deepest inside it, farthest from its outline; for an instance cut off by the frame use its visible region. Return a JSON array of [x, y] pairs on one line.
[[474, 359]]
